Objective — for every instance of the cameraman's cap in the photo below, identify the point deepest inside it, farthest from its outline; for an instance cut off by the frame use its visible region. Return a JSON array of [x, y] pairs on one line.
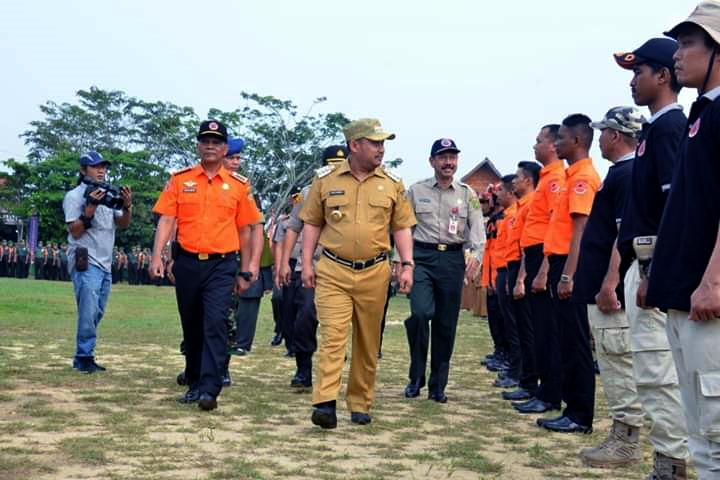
[[235, 146], [657, 50], [443, 145], [369, 128], [212, 128], [627, 120], [706, 16], [92, 158], [334, 153]]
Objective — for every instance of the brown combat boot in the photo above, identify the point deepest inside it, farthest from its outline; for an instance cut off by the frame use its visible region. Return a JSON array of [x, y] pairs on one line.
[[667, 468], [620, 448]]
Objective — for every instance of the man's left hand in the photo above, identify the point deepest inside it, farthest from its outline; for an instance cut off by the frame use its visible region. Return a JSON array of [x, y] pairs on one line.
[[126, 194], [241, 285], [471, 270], [705, 302], [565, 290], [405, 280]]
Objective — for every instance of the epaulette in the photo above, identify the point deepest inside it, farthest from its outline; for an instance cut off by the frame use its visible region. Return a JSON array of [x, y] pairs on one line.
[[391, 175], [183, 170], [239, 177], [324, 171]]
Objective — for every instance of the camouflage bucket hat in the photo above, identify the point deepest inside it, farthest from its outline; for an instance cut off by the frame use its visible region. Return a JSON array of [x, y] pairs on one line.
[[627, 120]]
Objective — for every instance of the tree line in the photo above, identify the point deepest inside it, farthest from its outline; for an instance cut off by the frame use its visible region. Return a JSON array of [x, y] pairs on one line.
[[146, 140]]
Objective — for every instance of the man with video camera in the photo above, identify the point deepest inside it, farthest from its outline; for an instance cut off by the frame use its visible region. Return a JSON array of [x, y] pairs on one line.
[[93, 210]]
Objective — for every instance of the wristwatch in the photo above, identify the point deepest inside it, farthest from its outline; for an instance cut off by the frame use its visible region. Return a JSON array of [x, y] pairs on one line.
[[565, 278], [408, 263]]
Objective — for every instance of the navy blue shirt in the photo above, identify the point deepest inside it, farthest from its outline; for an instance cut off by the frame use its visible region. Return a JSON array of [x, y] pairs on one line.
[[652, 172], [690, 223], [600, 233]]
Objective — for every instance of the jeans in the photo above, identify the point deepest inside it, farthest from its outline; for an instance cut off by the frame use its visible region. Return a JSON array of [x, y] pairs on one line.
[[92, 289]]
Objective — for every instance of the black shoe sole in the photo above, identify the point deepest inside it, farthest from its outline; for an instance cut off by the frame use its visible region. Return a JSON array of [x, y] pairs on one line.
[[324, 420]]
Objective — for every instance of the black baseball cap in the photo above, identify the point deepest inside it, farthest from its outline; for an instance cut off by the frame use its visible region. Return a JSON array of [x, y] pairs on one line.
[[212, 128], [443, 145], [656, 50]]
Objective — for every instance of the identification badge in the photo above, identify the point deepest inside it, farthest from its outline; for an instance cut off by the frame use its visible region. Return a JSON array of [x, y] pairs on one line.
[[453, 225]]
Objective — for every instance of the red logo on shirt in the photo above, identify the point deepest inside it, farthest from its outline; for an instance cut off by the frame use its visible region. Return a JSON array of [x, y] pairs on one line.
[[641, 149], [694, 128], [554, 187], [580, 188]]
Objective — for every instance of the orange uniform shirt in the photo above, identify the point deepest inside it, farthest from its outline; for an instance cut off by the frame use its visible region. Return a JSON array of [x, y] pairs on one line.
[[552, 179], [208, 211], [576, 197], [489, 271], [513, 251], [504, 245]]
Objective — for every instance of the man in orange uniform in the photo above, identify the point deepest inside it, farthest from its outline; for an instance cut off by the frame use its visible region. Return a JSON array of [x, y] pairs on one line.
[[552, 178], [210, 207], [562, 246], [524, 184], [503, 251]]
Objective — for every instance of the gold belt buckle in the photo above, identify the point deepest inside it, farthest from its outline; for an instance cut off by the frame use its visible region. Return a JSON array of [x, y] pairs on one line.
[[202, 256], [441, 247]]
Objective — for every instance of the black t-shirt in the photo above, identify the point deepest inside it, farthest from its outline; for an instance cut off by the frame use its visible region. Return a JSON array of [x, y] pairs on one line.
[[652, 172], [690, 223], [600, 233]]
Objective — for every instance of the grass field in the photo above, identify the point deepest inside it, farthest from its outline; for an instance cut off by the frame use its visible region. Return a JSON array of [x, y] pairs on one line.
[[125, 423]]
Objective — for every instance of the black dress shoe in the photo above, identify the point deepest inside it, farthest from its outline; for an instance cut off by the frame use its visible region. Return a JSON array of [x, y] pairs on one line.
[[517, 394], [542, 421], [226, 380], [413, 388], [497, 365], [181, 379], [324, 417], [207, 402], [506, 382], [535, 405], [439, 397], [289, 354], [566, 425], [98, 367], [191, 396], [276, 339], [360, 418]]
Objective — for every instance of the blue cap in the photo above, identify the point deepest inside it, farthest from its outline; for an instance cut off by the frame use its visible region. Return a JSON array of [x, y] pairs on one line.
[[92, 158], [657, 50], [235, 146]]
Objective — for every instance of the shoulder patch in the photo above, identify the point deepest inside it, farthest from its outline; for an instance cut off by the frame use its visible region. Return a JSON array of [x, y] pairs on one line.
[[183, 170], [324, 171], [391, 175], [239, 177]]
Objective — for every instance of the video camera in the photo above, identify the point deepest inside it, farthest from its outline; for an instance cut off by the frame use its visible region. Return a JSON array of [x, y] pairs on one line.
[[112, 198]]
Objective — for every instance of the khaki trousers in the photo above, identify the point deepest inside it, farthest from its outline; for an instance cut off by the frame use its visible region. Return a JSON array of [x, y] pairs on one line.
[[655, 374], [695, 349], [345, 297], [615, 359]]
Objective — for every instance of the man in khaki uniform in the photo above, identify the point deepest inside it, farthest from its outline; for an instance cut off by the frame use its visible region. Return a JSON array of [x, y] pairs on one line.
[[349, 210], [449, 220]]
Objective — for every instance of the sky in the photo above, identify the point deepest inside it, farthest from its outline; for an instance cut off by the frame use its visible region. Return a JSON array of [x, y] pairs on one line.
[[486, 73]]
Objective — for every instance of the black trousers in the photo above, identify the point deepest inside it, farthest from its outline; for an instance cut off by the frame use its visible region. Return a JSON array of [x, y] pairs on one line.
[[436, 296], [495, 322], [299, 316], [38, 270], [547, 345], [578, 372], [204, 292], [512, 340], [521, 309]]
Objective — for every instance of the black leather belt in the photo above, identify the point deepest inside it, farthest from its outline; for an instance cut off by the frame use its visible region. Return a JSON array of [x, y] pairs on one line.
[[203, 256], [440, 247], [355, 264]]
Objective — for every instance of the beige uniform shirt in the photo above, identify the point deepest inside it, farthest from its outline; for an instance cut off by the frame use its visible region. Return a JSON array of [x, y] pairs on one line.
[[449, 216], [355, 215]]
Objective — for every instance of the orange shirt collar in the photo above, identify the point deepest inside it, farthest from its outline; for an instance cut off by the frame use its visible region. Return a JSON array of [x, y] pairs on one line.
[[524, 200], [579, 165], [556, 165]]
